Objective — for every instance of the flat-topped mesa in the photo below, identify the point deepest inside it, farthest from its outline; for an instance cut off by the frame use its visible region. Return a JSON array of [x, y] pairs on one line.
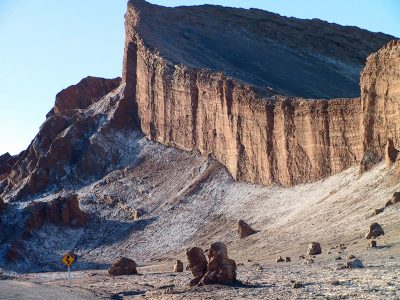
[[172, 63]]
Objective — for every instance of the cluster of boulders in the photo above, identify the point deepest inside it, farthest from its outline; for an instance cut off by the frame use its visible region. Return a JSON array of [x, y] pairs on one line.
[[394, 200], [218, 270]]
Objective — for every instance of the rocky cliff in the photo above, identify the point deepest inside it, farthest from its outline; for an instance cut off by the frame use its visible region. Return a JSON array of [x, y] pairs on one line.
[[380, 98], [170, 58], [224, 82]]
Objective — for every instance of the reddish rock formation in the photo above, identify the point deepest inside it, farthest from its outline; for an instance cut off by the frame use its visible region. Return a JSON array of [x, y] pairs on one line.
[[380, 97], [62, 211], [220, 269], [196, 109], [197, 264], [174, 91], [244, 229], [79, 96], [124, 266]]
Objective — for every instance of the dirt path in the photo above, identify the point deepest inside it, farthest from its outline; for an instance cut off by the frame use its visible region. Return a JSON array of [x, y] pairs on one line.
[[24, 290]]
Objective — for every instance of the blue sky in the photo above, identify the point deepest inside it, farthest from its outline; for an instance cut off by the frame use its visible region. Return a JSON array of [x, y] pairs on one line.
[[47, 45]]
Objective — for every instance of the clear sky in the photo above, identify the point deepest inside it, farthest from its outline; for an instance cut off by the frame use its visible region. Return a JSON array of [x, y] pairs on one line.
[[47, 45]]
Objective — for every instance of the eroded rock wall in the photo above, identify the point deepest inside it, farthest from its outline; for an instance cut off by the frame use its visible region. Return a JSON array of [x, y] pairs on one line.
[[259, 139], [380, 95]]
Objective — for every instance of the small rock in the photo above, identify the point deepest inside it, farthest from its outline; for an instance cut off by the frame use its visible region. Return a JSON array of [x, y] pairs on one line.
[[314, 248], [298, 285], [279, 259], [178, 267], [335, 282], [372, 244], [260, 268], [287, 259], [391, 257], [309, 261], [338, 258], [340, 266], [351, 257], [244, 229], [396, 198], [329, 252], [354, 264], [375, 230], [301, 257]]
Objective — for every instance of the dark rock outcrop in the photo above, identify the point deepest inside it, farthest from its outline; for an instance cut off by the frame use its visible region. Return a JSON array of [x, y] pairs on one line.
[[62, 211], [245, 229], [6, 163], [124, 266], [375, 230]]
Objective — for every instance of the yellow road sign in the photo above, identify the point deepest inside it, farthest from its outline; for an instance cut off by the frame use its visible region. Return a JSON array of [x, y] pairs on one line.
[[68, 259]]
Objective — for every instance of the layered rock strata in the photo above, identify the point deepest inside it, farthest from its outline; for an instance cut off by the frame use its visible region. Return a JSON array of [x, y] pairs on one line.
[[380, 100], [262, 140]]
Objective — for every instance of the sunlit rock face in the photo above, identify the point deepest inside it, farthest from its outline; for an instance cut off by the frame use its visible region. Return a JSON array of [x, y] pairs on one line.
[[182, 101]]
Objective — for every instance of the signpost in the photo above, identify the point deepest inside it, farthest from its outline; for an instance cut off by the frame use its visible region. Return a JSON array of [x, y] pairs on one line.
[[68, 260]]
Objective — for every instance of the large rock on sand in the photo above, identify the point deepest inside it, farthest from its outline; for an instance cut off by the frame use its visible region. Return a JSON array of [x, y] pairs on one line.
[[244, 229], [314, 248], [197, 264], [375, 230], [221, 269], [124, 266]]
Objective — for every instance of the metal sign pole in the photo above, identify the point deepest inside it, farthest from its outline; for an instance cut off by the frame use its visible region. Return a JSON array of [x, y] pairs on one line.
[[69, 276]]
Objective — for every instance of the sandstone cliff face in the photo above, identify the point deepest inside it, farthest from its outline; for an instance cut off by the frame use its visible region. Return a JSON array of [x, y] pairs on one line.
[[380, 98], [259, 137]]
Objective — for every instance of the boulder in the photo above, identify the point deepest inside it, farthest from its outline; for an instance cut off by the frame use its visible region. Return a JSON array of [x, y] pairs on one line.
[[244, 229], [309, 261], [178, 267], [354, 264], [220, 269], [288, 259], [197, 264], [124, 266], [137, 214], [314, 248], [375, 230], [396, 198], [372, 244], [279, 259]]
